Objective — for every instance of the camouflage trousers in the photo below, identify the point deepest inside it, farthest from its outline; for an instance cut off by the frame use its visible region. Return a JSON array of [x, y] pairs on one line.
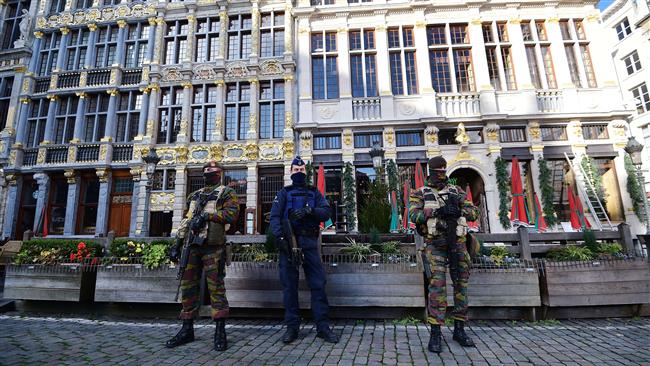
[[206, 259], [437, 298]]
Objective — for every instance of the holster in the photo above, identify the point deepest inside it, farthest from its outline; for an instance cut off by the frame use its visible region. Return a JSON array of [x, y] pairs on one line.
[[426, 265]]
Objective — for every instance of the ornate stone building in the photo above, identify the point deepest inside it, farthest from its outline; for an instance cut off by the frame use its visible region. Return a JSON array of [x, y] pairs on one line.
[[471, 81], [107, 80]]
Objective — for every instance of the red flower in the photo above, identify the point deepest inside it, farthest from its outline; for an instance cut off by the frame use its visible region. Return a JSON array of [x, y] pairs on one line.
[[72, 256], [81, 245]]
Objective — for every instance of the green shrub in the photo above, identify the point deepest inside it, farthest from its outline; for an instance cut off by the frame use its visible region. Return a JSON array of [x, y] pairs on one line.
[[251, 252], [571, 253], [610, 248], [359, 251], [155, 255], [49, 251], [376, 211], [388, 247], [498, 254]]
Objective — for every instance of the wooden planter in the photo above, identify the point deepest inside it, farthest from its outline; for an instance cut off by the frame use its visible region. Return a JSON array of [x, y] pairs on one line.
[[60, 282], [134, 283], [597, 282]]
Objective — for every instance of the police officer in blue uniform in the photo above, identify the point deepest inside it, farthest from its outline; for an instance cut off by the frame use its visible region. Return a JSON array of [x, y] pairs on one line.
[[305, 208]]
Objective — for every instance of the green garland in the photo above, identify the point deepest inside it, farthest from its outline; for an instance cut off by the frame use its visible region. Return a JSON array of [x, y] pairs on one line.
[[634, 188], [547, 192], [393, 181], [503, 185], [349, 196], [310, 173], [595, 178]]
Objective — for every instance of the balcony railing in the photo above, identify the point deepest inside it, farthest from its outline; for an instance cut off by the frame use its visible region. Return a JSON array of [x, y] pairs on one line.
[[131, 77], [88, 153], [98, 77], [42, 85], [122, 152], [56, 155], [549, 100], [366, 108], [68, 80], [30, 157], [459, 105]]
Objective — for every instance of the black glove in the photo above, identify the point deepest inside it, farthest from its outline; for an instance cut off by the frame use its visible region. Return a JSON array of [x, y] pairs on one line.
[[198, 222], [449, 212], [301, 213], [175, 251], [283, 245]]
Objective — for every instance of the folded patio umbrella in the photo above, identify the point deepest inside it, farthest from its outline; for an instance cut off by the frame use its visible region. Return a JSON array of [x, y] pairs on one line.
[[419, 175], [472, 224], [393, 212], [540, 223], [518, 212], [405, 219], [321, 189]]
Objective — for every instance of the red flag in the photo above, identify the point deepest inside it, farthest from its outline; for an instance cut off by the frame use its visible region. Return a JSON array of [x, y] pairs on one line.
[[472, 224], [518, 210], [321, 185], [419, 175], [405, 218], [584, 223], [540, 223], [573, 217]]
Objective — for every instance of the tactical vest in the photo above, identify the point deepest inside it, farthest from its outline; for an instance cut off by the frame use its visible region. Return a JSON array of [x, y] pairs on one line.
[[433, 200], [214, 232], [297, 198]]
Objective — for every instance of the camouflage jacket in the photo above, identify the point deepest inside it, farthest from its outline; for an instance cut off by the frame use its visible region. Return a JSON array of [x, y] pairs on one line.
[[416, 209], [222, 207]]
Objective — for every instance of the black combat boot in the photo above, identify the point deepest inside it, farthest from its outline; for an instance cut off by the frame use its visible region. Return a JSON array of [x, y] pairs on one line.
[[328, 335], [460, 336], [435, 340], [185, 335], [290, 335], [220, 341]]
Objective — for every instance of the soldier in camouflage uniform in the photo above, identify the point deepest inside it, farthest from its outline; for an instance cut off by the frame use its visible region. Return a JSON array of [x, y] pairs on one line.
[[220, 211], [430, 209]]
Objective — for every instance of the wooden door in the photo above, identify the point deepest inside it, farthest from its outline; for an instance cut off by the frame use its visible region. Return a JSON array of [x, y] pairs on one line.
[[121, 197]]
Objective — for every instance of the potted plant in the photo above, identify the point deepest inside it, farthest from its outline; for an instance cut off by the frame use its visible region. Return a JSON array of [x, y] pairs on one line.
[[137, 272], [594, 274], [53, 269]]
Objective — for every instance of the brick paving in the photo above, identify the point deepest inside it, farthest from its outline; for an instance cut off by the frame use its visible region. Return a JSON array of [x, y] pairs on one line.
[[34, 340]]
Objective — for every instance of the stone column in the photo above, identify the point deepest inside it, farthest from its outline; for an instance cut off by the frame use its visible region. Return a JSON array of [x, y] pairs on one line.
[[383, 76], [180, 194], [21, 129], [389, 143], [223, 37], [252, 121], [575, 138], [111, 125], [522, 73], [255, 33], [121, 36], [537, 150], [72, 205], [560, 63], [43, 181], [251, 190], [347, 144], [104, 203], [13, 203], [217, 135], [288, 31], [159, 37], [491, 133], [431, 141], [152, 114], [136, 201], [186, 114], [9, 132], [303, 75], [142, 216], [191, 43], [90, 52], [49, 124], [60, 61], [482, 76], [288, 106], [142, 121], [38, 38], [151, 41], [345, 88], [424, 73], [79, 118]]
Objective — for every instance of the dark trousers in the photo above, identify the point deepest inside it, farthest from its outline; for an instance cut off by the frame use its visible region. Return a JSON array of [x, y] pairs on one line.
[[315, 274]]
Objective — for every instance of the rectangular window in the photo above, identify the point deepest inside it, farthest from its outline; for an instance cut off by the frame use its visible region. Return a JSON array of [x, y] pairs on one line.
[[36, 122], [515, 134], [362, 140], [327, 142], [324, 70], [106, 46], [623, 29], [171, 106], [176, 41], [554, 133], [499, 47], [401, 53], [164, 180], [449, 50], [64, 120], [6, 87], [271, 104], [641, 98], [410, 138], [237, 108], [540, 63], [204, 112], [96, 116], [363, 64], [595, 132], [76, 50], [136, 44], [239, 36], [57, 6], [448, 136], [49, 53], [321, 2], [83, 4], [533, 67], [576, 48], [272, 34], [632, 63], [11, 24], [128, 115], [207, 39]]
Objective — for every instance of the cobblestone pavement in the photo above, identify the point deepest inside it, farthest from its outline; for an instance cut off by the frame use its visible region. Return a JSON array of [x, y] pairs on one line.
[[36, 340]]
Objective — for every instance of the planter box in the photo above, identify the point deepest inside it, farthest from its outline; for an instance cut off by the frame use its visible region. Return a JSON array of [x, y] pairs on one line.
[[134, 283], [597, 282], [517, 287], [57, 282]]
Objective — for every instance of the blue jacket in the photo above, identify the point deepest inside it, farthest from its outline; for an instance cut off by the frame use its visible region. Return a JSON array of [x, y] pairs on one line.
[[295, 197]]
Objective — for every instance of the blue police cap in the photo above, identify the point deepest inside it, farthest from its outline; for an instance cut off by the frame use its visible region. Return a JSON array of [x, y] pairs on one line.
[[297, 161]]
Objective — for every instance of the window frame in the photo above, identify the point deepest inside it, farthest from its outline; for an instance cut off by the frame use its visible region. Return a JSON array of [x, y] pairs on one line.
[[77, 51], [623, 29], [367, 54], [576, 48], [210, 38], [107, 48], [451, 48], [128, 119], [500, 63], [177, 38], [11, 22], [36, 121], [203, 124], [276, 32], [325, 55], [6, 88], [93, 117], [409, 142], [174, 114], [165, 179], [241, 122], [49, 53], [400, 76], [595, 131], [642, 98], [370, 137], [140, 42], [243, 36], [329, 142], [276, 105], [551, 130], [632, 62], [64, 133], [507, 135]]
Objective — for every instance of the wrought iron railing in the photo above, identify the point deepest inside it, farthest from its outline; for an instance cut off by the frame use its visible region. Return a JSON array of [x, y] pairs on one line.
[[42, 85]]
